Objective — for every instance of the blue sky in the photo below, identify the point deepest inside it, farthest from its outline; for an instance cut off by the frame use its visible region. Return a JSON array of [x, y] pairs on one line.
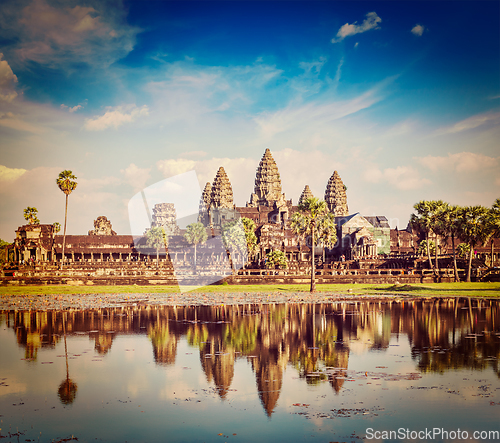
[[402, 98]]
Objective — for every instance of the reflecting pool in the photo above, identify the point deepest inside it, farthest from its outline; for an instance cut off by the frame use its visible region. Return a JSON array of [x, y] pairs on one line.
[[347, 371]]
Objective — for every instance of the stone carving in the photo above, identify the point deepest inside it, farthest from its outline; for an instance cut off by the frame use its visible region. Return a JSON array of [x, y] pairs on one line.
[[306, 193], [222, 192], [102, 226], [164, 215], [336, 196], [267, 191]]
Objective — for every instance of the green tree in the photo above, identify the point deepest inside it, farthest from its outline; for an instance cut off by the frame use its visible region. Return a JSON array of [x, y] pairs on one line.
[[448, 223], [3, 253], [425, 220], [57, 227], [196, 233], [251, 238], [473, 229], [30, 215], [276, 259], [313, 221], [463, 250], [493, 225], [67, 184], [234, 240], [156, 238], [422, 247]]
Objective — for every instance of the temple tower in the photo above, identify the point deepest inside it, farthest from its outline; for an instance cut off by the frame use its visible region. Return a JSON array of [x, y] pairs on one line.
[[164, 215], [306, 193], [336, 196], [206, 196], [267, 189], [222, 193]]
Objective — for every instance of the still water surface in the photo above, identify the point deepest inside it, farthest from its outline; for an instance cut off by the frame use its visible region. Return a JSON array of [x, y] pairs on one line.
[[247, 373]]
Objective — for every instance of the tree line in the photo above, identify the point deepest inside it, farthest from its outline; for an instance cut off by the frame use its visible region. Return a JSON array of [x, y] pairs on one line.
[[473, 225]]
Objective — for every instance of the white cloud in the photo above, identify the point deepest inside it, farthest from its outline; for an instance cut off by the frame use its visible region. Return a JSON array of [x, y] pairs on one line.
[[370, 22], [402, 177], [10, 174], [116, 117], [7, 81], [471, 123], [418, 30], [460, 162], [136, 177], [71, 109], [96, 34]]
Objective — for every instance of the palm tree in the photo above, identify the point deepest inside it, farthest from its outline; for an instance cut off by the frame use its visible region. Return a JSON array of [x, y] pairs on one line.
[[66, 184], [67, 389], [156, 238], [493, 223], [473, 229], [314, 221], [425, 220], [30, 215], [196, 233], [438, 207], [421, 221], [447, 226]]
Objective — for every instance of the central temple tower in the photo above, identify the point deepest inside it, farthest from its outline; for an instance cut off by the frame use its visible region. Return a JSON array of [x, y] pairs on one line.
[[267, 191]]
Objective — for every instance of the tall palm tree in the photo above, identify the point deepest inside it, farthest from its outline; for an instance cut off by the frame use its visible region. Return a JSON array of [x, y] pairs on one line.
[[196, 233], [447, 226], [314, 221], [67, 184], [423, 221], [437, 207], [473, 229], [493, 225], [156, 238]]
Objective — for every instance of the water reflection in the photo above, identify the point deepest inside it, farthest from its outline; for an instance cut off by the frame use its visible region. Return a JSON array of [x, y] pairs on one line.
[[316, 340]]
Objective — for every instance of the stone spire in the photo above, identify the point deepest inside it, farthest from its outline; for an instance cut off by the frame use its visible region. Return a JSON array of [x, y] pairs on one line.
[[222, 194], [206, 196], [267, 189], [306, 193], [335, 196]]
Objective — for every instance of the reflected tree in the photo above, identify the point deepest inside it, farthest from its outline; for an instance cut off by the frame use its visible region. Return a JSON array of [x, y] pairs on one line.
[[67, 389]]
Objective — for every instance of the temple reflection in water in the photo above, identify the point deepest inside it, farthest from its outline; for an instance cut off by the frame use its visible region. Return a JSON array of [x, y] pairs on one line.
[[316, 340]]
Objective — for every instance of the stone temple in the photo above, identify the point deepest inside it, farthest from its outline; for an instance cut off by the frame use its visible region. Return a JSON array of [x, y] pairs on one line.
[[267, 207]]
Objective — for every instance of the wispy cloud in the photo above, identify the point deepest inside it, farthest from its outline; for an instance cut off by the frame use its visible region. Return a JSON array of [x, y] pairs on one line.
[[402, 177], [14, 121], [471, 123], [370, 22], [418, 30], [116, 117], [460, 162]]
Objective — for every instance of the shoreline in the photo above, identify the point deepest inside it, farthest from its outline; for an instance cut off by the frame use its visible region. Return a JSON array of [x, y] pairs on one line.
[[77, 297]]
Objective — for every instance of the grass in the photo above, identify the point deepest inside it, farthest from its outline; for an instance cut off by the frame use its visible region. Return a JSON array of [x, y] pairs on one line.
[[424, 289]]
